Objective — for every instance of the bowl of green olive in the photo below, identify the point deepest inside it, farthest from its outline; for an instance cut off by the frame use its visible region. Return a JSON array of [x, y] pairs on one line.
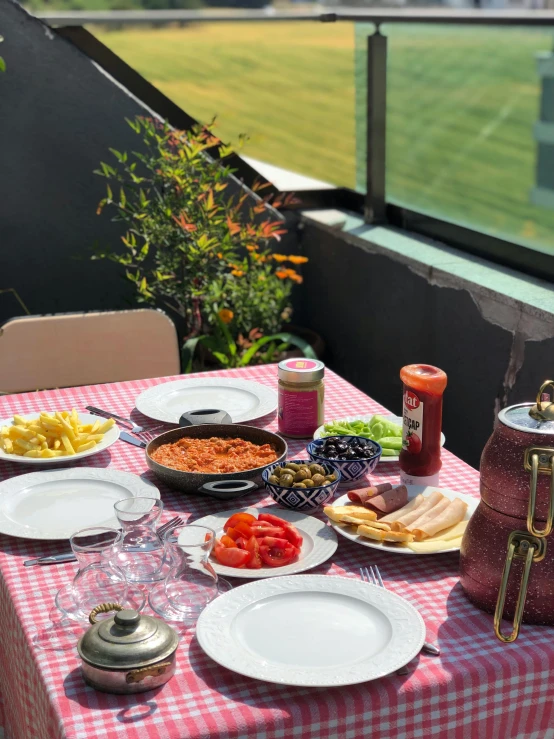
[[301, 485]]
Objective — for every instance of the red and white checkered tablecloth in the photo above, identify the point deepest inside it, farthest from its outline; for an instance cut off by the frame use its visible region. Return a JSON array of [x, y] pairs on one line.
[[477, 688]]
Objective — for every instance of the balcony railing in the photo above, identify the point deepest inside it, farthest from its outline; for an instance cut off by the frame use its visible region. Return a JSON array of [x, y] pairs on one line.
[[454, 121]]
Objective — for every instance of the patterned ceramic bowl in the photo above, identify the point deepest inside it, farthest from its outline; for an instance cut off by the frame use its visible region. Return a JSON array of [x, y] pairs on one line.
[[350, 469], [302, 499]]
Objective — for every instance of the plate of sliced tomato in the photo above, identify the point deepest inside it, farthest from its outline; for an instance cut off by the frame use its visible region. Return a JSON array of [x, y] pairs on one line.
[[265, 542]]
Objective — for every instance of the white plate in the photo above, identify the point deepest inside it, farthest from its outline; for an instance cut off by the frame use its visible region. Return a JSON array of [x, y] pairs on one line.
[[320, 432], [387, 546], [242, 399], [110, 437], [55, 504], [319, 542], [311, 630]]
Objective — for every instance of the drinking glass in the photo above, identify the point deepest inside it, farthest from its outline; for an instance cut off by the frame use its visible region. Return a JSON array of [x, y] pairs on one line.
[[141, 553], [98, 579], [192, 581]]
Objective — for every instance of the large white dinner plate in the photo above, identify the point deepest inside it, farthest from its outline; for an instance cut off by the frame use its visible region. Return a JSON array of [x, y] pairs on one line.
[[54, 504], [388, 546], [320, 432], [110, 437], [242, 399], [311, 630], [319, 542]]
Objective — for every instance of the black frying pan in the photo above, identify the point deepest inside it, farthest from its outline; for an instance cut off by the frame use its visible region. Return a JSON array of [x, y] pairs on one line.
[[222, 486]]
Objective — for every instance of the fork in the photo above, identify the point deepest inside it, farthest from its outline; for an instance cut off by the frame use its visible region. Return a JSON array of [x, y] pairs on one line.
[[70, 557], [140, 431], [375, 579]]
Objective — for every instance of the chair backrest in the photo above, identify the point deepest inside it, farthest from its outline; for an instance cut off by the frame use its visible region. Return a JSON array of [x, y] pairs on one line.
[[64, 350]]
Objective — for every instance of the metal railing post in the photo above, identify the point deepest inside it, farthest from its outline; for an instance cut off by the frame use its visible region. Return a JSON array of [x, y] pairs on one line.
[[376, 127]]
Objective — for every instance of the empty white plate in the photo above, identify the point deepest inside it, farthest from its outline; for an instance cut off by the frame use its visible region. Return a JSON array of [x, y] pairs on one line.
[[56, 504], [242, 399], [311, 630]]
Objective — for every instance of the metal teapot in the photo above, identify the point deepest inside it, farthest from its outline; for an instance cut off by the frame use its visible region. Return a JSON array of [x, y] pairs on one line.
[[128, 652], [507, 553]]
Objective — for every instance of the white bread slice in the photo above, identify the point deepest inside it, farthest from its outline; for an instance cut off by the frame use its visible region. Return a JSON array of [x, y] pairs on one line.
[[335, 513], [370, 533], [355, 521]]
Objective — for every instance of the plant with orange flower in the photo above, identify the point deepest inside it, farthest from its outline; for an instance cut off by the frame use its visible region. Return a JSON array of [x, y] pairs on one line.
[[196, 244]]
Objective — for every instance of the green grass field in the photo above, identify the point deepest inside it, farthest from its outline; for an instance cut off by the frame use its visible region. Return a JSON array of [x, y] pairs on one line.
[[461, 107]]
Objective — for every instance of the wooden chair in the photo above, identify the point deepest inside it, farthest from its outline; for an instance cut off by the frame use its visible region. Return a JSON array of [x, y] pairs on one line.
[[68, 349]]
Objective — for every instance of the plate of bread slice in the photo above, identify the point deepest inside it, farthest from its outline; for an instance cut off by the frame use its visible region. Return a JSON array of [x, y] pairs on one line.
[[403, 519]]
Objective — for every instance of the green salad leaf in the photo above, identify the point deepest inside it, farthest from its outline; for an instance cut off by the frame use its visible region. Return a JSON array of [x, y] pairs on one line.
[[378, 428]]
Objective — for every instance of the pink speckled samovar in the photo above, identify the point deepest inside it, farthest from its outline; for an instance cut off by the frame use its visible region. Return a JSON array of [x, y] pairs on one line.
[[507, 553]]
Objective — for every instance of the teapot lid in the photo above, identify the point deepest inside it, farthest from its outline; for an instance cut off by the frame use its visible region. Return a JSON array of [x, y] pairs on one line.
[[535, 417], [127, 640]]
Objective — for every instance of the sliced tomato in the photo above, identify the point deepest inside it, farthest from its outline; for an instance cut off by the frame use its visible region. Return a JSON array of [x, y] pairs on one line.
[[262, 528], [236, 517], [227, 541], [292, 534], [233, 533], [270, 518], [244, 529], [253, 547], [241, 542], [231, 556], [276, 552]]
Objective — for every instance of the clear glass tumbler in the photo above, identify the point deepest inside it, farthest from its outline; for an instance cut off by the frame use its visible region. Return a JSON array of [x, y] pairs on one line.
[[98, 579], [141, 553], [192, 581]]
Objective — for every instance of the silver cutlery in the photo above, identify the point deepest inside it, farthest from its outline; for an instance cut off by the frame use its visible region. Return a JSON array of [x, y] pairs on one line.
[[55, 559], [124, 436], [140, 431], [373, 576]]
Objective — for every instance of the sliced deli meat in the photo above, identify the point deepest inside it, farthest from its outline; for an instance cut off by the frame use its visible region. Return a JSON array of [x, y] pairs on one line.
[[411, 506], [390, 501], [429, 515], [406, 519], [362, 495], [450, 516]]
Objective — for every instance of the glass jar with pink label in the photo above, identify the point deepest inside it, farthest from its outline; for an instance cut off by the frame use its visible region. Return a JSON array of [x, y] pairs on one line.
[[301, 397]]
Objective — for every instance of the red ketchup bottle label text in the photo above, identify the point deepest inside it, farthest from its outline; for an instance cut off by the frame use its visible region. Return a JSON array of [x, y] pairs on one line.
[[412, 426]]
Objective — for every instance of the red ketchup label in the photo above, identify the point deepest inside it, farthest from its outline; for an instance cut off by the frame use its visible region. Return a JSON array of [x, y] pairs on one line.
[[412, 424], [298, 412]]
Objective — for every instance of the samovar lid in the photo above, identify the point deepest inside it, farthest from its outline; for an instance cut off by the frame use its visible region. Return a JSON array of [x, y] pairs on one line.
[[535, 417]]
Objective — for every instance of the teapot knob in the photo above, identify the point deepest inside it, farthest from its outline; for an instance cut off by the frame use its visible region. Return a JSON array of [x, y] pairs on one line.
[[543, 410]]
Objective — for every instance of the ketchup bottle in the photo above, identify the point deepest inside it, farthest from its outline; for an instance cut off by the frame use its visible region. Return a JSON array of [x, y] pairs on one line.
[[420, 458]]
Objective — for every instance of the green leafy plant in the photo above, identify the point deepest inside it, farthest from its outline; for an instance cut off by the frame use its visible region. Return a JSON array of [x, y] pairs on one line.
[[198, 244], [232, 353]]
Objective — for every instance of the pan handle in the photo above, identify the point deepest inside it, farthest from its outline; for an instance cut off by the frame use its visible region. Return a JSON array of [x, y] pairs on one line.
[[228, 488]]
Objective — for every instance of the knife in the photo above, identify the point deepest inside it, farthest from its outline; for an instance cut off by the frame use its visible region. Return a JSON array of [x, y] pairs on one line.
[[54, 559], [124, 436]]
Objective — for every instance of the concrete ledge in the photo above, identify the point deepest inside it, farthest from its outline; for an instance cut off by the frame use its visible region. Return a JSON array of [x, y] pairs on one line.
[[511, 300]]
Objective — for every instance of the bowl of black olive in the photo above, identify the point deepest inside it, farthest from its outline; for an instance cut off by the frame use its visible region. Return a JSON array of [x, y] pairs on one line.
[[301, 485], [354, 456]]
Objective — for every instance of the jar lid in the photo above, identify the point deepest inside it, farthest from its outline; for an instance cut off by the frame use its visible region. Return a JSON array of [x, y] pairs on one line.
[[127, 640], [301, 370], [517, 417]]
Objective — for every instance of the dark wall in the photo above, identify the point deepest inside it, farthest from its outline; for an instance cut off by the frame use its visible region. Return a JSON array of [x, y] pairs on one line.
[[58, 116], [376, 316]]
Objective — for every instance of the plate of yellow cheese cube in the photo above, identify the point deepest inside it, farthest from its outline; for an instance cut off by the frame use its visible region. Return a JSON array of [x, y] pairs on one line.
[[54, 437]]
